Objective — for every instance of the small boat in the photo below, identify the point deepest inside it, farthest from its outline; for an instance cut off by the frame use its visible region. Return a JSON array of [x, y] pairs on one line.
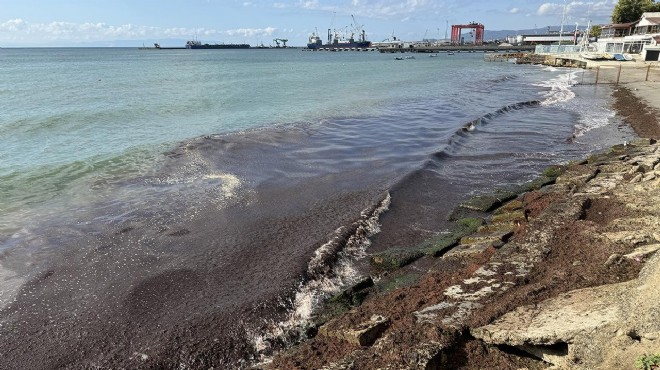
[[398, 58], [450, 53], [619, 57], [591, 55], [410, 57], [433, 55]]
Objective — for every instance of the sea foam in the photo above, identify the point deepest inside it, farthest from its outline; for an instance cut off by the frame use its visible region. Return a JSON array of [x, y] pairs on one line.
[[331, 269]]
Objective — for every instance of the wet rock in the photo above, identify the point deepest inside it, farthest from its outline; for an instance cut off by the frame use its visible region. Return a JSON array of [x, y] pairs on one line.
[[510, 217], [553, 171], [397, 280], [508, 207], [577, 176], [485, 203], [395, 258], [643, 142], [536, 184], [487, 238], [439, 245], [354, 295]]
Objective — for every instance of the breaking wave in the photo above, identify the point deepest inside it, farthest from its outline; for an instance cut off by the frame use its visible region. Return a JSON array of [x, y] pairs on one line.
[[331, 269], [558, 88], [471, 126]]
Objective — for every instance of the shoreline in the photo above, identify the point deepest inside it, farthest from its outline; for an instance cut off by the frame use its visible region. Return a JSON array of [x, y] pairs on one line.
[[463, 307]]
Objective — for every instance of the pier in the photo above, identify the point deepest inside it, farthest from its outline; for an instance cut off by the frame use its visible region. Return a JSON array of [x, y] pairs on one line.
[[431, 48], [531, 58]]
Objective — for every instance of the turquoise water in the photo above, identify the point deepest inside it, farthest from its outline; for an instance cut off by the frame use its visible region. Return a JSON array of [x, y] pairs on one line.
[[70, 116], [71, 113], [62, 105]]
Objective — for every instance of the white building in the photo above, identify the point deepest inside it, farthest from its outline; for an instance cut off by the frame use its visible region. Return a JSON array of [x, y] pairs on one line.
[[641, 37]]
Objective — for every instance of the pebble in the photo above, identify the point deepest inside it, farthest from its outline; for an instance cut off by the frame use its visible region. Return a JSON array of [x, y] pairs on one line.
[[613, 260], [650, 336], [636, 169], [637, 178], [649, 177]]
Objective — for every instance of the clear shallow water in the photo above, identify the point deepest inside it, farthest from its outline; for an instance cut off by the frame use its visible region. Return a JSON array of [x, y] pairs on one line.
[[199, 189]]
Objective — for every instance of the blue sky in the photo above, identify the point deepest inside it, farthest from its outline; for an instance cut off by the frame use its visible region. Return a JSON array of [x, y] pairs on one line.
[[103, 22]]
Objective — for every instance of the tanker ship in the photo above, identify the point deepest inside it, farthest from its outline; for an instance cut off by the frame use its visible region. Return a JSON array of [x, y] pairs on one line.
[[194, 44]]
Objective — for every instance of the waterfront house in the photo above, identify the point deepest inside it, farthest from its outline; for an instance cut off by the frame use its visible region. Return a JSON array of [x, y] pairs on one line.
[[641, 37]]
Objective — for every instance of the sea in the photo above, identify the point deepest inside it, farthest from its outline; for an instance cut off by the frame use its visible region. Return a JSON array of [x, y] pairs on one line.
[[194, 208]]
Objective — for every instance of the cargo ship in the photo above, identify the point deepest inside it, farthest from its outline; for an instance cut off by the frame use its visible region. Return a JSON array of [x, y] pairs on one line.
[[335, 41], [194, 44]]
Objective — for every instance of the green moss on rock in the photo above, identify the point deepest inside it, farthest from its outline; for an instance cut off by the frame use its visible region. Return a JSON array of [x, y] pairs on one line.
[[395, 258], [462, 227], [400, 281], [488, 202]]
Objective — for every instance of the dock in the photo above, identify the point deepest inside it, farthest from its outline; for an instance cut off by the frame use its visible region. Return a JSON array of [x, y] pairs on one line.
[[431, 48], [531, 58]]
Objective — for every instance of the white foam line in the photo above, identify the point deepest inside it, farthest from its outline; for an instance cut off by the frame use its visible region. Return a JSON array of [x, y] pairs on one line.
[[10, 285], [312, 293], [560, 88]]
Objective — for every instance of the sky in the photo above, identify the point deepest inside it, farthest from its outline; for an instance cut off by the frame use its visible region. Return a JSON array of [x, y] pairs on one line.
[[26, 23]]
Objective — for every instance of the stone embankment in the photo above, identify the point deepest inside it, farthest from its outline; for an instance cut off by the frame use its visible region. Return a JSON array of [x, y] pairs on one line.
[[615, 198], [564, 275]]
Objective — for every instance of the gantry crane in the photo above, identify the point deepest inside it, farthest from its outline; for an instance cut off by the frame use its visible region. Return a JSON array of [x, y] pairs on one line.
[[283, 41]]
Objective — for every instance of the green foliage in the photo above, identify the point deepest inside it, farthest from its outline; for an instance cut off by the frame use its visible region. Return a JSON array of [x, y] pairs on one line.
[[630, 10], [655, 7], [595, 31], [648, 362]]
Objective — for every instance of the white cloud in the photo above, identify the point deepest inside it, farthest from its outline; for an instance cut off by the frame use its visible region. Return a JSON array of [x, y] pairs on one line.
[[251, 32], [514, 10], [579, 10], [310, 4], [13, 25], [549, 9], [23, 32], [374, 8]]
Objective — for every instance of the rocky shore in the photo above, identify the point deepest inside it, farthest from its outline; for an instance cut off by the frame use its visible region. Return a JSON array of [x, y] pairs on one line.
[[562, 273]]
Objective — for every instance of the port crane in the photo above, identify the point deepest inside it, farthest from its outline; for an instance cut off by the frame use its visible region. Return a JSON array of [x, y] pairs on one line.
[[477, 28], [358, 29], [283, 41]]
